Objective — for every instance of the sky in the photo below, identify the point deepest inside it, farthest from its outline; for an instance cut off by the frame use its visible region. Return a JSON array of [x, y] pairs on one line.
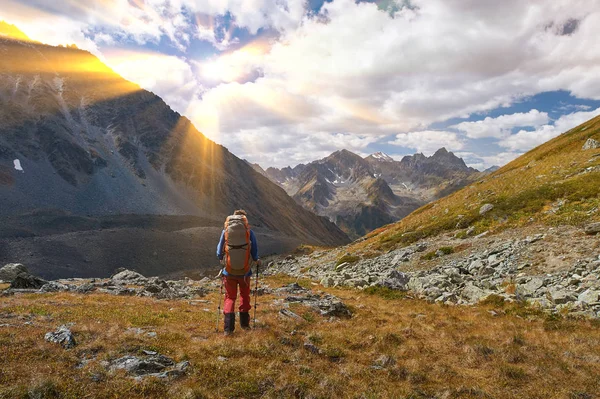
[[283, 82]]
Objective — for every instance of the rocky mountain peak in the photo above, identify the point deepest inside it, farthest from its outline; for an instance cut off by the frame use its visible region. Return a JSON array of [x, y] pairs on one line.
[[380, 157]]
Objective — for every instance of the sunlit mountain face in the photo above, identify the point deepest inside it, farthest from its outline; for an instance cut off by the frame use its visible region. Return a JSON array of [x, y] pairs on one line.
[[285, 82]]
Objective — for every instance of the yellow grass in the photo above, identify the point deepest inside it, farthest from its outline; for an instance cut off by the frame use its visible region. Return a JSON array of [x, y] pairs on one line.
[[439, 351]]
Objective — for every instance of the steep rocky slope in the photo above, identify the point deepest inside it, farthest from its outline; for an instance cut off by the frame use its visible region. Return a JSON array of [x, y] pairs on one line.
[[360, 195], [427, 178]]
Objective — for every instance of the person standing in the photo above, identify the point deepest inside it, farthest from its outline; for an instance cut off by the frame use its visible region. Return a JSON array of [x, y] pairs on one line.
[[236, 250]]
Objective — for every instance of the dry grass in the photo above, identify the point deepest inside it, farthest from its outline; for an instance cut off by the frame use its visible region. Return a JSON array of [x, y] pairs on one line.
[[439, 351], [526, 191]]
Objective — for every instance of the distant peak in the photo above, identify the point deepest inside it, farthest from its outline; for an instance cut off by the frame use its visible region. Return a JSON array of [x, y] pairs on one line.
[[382, 157], [441, 151]]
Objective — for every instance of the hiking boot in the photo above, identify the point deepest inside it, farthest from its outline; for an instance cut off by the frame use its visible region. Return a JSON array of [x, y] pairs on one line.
[[229, 326], [245, 320]]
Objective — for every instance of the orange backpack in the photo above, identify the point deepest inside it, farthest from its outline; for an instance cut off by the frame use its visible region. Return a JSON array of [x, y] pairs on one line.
[[237, 245]]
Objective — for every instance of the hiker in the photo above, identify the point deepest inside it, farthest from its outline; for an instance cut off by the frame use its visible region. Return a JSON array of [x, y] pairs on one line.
[[237, 247]]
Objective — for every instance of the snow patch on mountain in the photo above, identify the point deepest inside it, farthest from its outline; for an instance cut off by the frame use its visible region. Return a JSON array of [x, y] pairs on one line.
[[383, 157], [18, 165]]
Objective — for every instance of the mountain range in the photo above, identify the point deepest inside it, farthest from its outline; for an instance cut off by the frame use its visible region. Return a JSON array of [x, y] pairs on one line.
[[77, 138], [361, 194]]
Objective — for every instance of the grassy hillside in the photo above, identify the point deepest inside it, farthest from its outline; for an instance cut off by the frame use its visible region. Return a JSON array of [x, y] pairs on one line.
[[556, 183], [432, 351]]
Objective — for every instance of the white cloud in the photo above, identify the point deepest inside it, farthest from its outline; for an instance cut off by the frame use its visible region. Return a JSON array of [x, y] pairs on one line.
[[171, 77], [525, 140], [353, 68], [428, 141], [502, 126]]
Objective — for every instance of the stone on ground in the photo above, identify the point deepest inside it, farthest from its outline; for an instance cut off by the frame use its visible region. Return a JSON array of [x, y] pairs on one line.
[[62, 336]]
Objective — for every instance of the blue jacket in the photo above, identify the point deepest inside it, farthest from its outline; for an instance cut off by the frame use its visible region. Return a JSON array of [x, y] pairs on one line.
[[253, 250]]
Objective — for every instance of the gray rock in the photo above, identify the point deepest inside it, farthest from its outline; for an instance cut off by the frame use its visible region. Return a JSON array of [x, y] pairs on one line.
[[342, 266], [383, 361], [129, 277], [62, 336], [10, 271], [591, 144], [560, 297], [289, 314], [85, 288], [589, 296], [395, 280], [529, 289], [54, 286], [142, 366], [27, 281], [474, 294], [311, 348], [485, 209], [593, 228]]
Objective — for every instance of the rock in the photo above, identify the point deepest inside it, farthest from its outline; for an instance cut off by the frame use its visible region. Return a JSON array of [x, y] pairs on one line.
[[62, 336], [311, 348], [589, 296], [327, 282], [27, 281], [383, 361], [333, 307], [54, 286], [473, 294], [10, 271], [591, 144], [148, 366], [395, 280], [342, 266], [85, 288], [289, 314], [129, 277], [593, 228], [470, 230], [485, 209], [529, 289], [560, 297]]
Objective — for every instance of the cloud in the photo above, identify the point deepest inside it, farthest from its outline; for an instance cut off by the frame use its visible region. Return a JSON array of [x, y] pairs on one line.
[[525, 140], [502, 126], [171, 77], [358, 69], [428, 141]]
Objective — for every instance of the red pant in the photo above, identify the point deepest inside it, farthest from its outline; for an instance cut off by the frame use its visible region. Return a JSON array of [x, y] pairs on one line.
[[231, 283]]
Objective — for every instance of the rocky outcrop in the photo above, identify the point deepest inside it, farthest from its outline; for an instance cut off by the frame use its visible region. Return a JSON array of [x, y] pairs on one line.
[[592, 228], [591, 144], [151, 364], [11, 271], [62, 336], [466, 280]]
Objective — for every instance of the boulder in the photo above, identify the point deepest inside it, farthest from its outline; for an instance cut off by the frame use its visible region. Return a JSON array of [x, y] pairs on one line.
[[11, 271], [593, 228], [560, 296], [591, 144], [485, 209], [142, 366], [395, 280], [529, 289], [62, 336], [129, 277], [54, 286], [383, 361], [27, 281], [474, 294], [589, 296]]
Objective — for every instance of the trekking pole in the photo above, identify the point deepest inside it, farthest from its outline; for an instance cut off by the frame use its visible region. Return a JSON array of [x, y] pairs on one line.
[[220, 297], [256, 293]]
